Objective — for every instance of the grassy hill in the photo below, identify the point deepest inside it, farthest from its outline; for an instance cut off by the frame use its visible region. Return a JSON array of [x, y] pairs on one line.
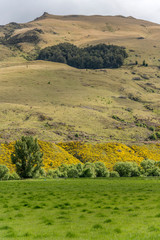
[[56, 102]]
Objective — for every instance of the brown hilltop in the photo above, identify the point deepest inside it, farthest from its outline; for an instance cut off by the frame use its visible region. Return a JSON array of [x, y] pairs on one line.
[[83, 30]]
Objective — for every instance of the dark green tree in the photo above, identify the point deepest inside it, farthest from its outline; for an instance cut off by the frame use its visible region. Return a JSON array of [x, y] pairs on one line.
[[27, 157], [91, 57]]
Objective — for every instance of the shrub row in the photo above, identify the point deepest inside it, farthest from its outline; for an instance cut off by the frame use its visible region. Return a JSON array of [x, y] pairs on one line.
[[130, 169], [92, 170], [98, 169]]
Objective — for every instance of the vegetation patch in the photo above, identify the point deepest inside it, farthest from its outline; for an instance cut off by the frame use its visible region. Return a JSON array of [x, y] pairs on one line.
[[54, 155], [92, 57]]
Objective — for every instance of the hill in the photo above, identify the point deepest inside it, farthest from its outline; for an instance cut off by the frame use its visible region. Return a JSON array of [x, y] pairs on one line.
[[56, 102], [49, 30]]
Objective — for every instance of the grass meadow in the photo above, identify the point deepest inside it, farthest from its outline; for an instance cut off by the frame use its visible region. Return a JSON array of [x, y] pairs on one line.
[[117, 209], [55, 102]]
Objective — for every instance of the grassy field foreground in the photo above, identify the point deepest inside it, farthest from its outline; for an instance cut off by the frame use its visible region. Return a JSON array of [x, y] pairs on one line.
[[80, 209]]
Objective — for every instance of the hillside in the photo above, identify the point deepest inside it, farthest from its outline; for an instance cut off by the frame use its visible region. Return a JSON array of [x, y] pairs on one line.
[[48, 30], [56, 102]]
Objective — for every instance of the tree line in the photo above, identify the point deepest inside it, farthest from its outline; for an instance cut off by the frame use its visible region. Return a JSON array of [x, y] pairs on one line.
[[91, 57]]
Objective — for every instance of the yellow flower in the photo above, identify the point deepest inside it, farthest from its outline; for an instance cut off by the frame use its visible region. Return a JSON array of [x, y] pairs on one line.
[[75, 152]]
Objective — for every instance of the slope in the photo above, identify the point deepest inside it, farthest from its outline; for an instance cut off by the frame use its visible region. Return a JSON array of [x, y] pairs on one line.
[[58, 103]]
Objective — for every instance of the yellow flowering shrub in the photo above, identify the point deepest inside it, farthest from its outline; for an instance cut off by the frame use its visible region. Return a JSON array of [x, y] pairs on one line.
[[5, 156], [110, 153], [151, 151], [75, 152], [53, 156]]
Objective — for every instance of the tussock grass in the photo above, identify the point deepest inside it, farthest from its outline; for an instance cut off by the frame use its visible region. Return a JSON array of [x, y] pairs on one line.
[[75, 102]]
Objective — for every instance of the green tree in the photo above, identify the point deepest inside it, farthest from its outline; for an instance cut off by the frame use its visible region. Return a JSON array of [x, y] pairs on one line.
[[27, 157]]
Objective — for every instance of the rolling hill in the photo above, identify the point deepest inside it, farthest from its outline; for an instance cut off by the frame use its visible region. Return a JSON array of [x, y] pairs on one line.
[[56, 102]]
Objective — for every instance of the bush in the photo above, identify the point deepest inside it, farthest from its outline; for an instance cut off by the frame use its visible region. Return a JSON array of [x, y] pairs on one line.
[[63, 171], [79, 168], [53, 173], [14, 176], [50, 173], [42, 172], [150, 168], [154, 172], [4, 172], [36, 175], [158, 134], [127, 169], [89, 170], [27, 157], [72, 172], [144, 63], [114, 174], [153, 136], [147, 164], [101, 170]]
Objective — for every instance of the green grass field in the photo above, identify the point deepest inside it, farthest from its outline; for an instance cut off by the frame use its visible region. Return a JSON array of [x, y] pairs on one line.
[[117, 209]]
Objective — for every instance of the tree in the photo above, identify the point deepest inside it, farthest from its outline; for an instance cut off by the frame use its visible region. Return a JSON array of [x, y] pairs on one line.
[[27, 157]]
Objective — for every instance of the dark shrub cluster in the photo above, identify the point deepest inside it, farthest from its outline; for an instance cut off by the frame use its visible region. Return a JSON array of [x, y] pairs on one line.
[[92, 57]]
